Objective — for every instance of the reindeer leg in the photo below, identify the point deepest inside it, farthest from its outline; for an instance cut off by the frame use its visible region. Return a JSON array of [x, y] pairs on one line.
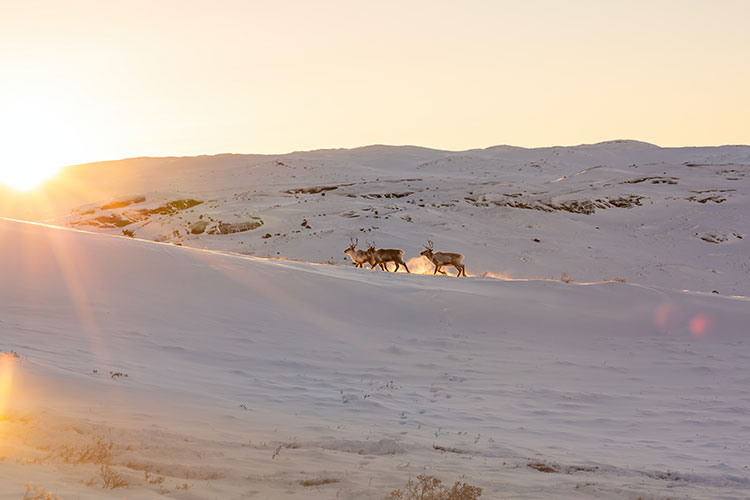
[[407, 269], [396, 262], [436, 270]]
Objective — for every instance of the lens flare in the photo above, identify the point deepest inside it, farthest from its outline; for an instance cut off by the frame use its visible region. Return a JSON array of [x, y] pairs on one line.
[[700, 325], [666, 317], [7, 365]]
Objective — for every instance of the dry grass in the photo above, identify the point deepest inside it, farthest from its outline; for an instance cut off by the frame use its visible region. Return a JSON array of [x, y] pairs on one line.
[[542, 467], [318, 482], [99, 452], [111, 479], [153, 479], [431, 488], [38, 493], [289, 446]]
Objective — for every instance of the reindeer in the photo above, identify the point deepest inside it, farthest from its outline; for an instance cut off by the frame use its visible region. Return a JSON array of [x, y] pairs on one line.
[[359, 257], [441, 259], [381, 257]]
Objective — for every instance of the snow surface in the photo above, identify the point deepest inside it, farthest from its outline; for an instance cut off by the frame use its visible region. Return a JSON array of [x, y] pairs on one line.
[[246, 376], [216, 372]]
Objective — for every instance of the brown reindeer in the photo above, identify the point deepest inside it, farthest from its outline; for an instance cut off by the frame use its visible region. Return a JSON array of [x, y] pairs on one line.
[[441, 259], [382, 256], [359, 257]]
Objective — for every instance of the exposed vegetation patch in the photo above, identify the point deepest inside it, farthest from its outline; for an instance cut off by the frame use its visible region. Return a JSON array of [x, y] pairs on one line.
[[171, 208], [713, 237], [311, 190], [654, 180], [583, 206], [715, 199], [110, 221], [104, 222], [386, 195], [123, 202], [544, 467], [239, 227], [318, 482], [553, 468], [431, 488], [449, 450], [198, 227]]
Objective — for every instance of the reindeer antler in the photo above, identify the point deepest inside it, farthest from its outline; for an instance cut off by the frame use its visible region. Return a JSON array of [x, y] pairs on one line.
[[429, 245]]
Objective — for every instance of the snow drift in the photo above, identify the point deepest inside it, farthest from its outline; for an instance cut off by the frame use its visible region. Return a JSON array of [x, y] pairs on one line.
[[235, 376]]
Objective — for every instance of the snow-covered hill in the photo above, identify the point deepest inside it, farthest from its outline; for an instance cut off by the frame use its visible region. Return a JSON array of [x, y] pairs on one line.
[[223, 376], [672, 217]]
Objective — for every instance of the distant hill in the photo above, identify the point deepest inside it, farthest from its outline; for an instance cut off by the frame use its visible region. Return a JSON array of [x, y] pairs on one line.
[[621, 209]]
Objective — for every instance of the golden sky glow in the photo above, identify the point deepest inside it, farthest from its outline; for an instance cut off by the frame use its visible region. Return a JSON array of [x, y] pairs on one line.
[[88, 80]]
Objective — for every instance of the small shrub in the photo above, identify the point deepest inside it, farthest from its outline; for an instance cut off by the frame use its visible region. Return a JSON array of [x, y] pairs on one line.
[[38, 493], [153, 479], [111, 479], [99, 452], [432, 488]]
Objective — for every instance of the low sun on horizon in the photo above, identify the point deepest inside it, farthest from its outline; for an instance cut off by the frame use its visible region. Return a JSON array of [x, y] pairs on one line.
[[38, 142], [27, 177]]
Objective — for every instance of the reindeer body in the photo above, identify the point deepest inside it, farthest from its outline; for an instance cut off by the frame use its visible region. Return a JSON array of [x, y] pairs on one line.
[[359, 257], [440, 259], [382, 256]]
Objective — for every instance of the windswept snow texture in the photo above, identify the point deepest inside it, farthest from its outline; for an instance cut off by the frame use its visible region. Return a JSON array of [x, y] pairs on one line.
[[672, 217], [223, 376]]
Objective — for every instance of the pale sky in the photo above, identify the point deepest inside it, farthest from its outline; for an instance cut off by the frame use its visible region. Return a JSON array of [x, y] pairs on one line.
[[87, 80]]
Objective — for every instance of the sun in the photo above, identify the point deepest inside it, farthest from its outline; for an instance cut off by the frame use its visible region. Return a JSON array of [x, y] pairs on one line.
[[37, 143], [24, 178]]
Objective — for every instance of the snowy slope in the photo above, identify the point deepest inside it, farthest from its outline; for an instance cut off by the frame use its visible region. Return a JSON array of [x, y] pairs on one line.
[[672, 217], [246, 376]]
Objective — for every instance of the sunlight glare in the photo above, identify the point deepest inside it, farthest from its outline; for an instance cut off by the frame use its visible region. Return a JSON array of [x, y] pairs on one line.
[[7, 362], [37, 143]]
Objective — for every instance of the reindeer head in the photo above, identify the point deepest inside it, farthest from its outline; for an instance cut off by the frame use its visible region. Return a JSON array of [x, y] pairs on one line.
[[370, 247], [353, 245], [427, 252]]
